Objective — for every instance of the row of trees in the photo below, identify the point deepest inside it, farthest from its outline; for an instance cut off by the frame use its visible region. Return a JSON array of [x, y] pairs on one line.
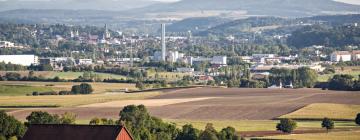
[[344, 82], [289, 125], [11, 67], [301, 77]]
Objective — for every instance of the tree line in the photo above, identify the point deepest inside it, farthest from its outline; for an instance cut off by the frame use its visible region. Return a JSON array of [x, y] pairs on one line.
[[344, 82]]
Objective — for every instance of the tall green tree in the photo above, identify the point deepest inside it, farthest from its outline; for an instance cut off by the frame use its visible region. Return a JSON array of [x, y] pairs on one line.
[[188, 133], [10, 127], [209, 133], [145, 127], [286, 125], [40, 117], [228, 133]]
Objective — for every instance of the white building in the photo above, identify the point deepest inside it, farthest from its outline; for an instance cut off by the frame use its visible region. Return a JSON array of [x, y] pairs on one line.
[[185, 70], [24, 60], [6, 44], [84, 62], [219, 60], [173, 56], [340, 56], [356, 55]]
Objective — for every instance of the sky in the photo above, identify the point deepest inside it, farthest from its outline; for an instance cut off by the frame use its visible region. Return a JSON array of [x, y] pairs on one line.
[[350, 1], [345, 1]]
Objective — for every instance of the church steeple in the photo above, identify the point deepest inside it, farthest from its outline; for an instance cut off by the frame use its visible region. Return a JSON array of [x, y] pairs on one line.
[[106, 33]]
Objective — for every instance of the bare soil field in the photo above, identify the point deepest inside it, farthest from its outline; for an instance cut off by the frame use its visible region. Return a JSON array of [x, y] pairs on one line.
[[217, 104]]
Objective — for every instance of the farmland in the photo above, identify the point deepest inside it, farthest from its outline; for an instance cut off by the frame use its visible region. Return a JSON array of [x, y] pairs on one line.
[[253, 112], [321, 110], [345, 135]]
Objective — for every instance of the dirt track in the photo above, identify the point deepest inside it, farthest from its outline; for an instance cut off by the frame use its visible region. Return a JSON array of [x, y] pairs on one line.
[[220, 104]]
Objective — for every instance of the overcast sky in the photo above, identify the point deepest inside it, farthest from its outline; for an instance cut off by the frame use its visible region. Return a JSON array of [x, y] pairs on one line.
[[346, 1]]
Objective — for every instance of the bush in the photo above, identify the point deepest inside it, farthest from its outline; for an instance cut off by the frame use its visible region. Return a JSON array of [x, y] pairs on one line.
[[76, 89], [85, 88], [65, 93], [35, 93], [286, 125], [48, 93], [357, 119], [40, 117], [328, 124]]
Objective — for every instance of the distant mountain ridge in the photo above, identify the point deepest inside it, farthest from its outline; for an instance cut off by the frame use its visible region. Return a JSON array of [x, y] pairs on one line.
[[297, 8], [108, 5]]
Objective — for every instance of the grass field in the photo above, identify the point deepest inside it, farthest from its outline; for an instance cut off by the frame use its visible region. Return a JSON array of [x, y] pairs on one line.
[[58, 86], [20, 90], [321, 110], [346, 135], [69, 100]]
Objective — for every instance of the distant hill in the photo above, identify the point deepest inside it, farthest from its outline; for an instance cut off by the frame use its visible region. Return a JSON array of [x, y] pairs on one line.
[[196, 24], [253, 24], [109, 5], [286, 8], [246, 25]]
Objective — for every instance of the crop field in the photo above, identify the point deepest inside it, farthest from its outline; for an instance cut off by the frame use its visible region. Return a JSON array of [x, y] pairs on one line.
[[255, 125], [251, 111], [321, 110], [343, 135]]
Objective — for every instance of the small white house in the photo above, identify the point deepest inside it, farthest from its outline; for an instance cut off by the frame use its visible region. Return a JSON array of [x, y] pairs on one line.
[[85, 62], [340, 56], [356, 55]]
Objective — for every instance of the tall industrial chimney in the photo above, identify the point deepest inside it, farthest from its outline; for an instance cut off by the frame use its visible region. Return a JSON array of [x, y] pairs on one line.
[[163, 45]]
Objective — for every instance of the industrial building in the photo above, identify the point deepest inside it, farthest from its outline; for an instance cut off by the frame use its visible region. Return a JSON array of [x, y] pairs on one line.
[[24, 60]]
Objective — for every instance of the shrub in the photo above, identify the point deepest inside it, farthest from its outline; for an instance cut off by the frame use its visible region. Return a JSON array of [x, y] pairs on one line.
[[35, 93], [76, 89], [65, 93], [86, 88], [286, 125], [49, 93], [328, 124], [357, 119], [40, 117]]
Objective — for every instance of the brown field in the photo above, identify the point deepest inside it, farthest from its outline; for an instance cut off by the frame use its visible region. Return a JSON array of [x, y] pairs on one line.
[[216, 104]]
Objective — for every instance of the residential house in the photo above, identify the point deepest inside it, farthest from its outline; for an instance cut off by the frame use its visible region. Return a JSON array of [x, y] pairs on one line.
[[76, 132], [340, 56]]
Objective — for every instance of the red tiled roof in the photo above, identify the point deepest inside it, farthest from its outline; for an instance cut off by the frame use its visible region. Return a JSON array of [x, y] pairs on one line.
[[342, 53], [73, 132]]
